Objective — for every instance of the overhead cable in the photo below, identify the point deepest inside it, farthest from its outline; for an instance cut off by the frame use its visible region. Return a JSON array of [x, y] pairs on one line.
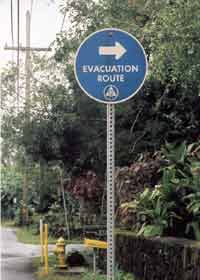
[[18, 48], [63, 21], [11, 22]]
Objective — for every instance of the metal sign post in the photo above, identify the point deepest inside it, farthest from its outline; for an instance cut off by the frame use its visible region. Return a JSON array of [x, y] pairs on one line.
[[110, 67], [110, 190]]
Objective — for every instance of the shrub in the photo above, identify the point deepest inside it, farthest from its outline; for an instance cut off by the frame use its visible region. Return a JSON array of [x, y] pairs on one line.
[[173, 207]]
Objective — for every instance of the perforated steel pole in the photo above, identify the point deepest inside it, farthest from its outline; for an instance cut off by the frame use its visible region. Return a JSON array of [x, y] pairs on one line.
[[110, 191]]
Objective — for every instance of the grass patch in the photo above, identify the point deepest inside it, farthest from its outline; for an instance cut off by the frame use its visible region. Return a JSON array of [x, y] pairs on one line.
[[27, 235], [8, 223], [52, 274], [198, 244]]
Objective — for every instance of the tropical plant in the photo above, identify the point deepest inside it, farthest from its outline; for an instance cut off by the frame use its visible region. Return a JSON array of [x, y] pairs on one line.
[[173, 207], [119, 275], [153, 212]]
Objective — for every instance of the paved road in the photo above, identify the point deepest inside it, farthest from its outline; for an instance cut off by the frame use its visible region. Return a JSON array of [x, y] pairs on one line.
[[16, 257]]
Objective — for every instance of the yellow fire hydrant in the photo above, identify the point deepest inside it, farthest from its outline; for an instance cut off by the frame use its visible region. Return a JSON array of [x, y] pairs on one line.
[[60, 253]]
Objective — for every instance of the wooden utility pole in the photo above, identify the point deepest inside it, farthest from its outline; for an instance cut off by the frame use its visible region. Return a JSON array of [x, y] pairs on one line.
[[18, 38], [27, 50], [64, 203], [25, 215], [27, 65]]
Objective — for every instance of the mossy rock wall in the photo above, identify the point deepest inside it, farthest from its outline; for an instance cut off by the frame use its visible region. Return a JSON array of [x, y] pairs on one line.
[[158, 258]]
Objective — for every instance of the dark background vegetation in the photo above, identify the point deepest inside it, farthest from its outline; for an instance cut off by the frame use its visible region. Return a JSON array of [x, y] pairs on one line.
[[59, 154]]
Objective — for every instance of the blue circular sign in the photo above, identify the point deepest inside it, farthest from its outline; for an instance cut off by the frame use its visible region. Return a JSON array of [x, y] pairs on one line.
[[110, 66]]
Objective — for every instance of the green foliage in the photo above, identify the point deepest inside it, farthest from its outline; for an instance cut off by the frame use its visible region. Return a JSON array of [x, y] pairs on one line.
[[19, 214], [194, 203], [30, 235], [55, 219], [174, 39], [11, 190], [120, 275], [41, 190], [90, 276], [67, 127], [152, 230], [173, 207], [124, 276], [175, 154], [153, 212]]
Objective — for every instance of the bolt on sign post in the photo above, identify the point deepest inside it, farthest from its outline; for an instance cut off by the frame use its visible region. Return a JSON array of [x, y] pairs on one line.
[[110, 67]]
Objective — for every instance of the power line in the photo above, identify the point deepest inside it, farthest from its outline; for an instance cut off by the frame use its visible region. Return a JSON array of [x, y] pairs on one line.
[[31, 9], [18, 47], [63, 21], [11, 26], [11, 21], [61, 29]]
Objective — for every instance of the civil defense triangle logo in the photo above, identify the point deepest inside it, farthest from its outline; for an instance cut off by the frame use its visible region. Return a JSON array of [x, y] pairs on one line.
[[111, 92]]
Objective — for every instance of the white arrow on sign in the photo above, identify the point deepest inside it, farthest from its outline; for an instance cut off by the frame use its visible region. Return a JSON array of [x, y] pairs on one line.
[[118, 50]]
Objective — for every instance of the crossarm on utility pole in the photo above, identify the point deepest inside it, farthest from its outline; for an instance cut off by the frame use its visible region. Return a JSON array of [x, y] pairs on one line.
[[23, 49]]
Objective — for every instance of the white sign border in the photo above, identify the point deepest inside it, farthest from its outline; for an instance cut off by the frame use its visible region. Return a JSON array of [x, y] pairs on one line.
[[89, 94]]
